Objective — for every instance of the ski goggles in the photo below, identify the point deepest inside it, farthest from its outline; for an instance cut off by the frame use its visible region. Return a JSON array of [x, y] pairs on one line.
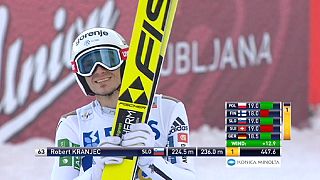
[[108, 57]]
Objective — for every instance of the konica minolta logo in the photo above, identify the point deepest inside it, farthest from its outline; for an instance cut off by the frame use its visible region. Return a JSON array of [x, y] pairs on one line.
[[92, 33], [231, 162]]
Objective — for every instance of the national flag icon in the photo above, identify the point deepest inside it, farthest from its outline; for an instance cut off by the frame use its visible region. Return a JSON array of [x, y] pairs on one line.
[[242, 113], [242, 136], [158, 151], [242, 128], [242, 121], [154, 103], [242, 105]]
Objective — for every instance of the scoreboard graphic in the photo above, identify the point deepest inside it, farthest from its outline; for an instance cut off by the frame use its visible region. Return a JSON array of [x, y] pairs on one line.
[[253, 135], [254, 131]]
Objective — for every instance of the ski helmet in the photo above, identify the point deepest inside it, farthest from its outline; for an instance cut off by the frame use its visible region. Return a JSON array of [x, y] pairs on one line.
[[97, 46]]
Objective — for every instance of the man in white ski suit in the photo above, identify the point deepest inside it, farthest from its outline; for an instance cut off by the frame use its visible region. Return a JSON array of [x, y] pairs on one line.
[[98, 60]]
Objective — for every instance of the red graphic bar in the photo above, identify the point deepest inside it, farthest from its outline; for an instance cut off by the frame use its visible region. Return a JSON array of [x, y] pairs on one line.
[[264, 113], [266, 128], [314, 73]]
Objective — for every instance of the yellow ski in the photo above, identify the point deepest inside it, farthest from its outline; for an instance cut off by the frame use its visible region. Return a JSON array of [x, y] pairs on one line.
[[148, 45]]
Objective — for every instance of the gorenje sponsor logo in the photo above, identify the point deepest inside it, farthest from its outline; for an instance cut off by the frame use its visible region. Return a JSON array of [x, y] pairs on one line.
[[94, 33]]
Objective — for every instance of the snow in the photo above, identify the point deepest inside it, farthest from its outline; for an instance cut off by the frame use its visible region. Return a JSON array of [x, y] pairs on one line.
[[299, 158], [18, 161]]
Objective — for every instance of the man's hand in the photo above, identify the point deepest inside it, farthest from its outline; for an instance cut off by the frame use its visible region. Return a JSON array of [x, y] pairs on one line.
[[140, 135], [101, 161]]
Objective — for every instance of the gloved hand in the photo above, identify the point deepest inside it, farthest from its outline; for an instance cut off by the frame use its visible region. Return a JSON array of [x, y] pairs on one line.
[[100, 161], [140, 135]]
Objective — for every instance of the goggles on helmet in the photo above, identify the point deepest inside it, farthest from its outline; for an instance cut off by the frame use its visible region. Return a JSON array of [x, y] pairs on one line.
[[108, 57]]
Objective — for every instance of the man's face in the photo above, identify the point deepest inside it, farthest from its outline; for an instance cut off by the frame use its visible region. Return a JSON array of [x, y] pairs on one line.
[[103, 82]]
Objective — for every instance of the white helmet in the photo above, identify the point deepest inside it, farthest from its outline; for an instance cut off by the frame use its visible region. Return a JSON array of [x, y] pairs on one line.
[[97, 46]]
